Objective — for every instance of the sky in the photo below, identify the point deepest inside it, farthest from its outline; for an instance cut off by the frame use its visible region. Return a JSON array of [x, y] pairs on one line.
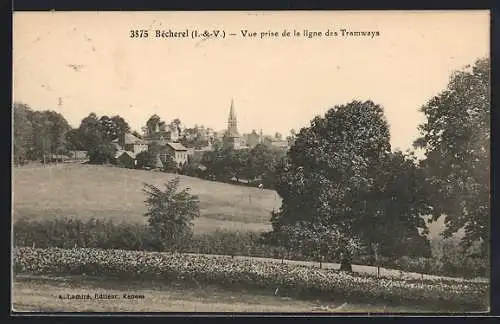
[[81, 62]]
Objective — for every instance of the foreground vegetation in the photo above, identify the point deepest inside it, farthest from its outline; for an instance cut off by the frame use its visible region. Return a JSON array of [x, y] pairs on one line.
[[106, 234], [291, 280]]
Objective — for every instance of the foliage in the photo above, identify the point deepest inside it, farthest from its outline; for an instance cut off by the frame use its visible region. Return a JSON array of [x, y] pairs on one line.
[[449, 257], [227, 271], [37, 133], [22, 132], [456, 140], [322, 242], [257, 165], [337, 172], [105, 234], [97, 137], [75, 140], [193, 138], [95, 233], [169, 164], [170, 213], [262, 163], [392, 211], [152, 122], [145, 159]]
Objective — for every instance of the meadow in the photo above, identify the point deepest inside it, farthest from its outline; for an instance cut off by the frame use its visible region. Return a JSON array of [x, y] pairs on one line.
[[93, 191]]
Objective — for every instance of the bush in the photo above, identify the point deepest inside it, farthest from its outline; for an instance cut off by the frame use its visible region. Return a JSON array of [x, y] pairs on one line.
[[146, 159], [170, 214], [96, 233], [93, 233]]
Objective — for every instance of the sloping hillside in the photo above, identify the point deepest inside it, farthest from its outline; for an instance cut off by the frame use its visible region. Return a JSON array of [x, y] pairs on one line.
[[106, 192]]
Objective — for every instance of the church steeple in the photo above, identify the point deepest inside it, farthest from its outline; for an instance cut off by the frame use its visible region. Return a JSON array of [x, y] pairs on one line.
[[232, 124]]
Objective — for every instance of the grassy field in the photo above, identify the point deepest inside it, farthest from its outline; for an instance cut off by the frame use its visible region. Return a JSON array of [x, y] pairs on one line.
[[38, 293], [86, 191]]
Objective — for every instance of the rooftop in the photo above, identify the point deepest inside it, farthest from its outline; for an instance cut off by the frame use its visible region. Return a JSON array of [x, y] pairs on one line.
[[177, 146]]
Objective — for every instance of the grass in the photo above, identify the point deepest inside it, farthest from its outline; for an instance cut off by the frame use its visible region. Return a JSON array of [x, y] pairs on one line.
[[38, 293], [86, 191]]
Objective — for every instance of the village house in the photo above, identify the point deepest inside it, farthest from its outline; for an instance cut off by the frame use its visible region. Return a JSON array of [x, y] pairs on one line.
[[126, 159], [177, 151], [253, 139], [130, 143], [275, 142]]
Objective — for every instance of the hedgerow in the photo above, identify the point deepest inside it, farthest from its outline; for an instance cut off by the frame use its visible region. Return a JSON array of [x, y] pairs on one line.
[[227, 271], [106, 234]]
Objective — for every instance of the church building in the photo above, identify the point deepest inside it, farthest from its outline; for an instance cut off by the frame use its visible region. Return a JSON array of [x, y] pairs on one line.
[[232, 138]]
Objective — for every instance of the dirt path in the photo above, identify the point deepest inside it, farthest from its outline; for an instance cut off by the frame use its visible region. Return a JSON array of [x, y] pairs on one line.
[[37, 293]]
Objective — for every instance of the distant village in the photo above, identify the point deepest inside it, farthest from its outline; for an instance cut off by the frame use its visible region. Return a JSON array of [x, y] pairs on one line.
[[172, 140]]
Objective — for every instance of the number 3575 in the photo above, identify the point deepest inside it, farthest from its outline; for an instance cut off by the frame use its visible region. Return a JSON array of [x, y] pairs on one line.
[[138, 33]]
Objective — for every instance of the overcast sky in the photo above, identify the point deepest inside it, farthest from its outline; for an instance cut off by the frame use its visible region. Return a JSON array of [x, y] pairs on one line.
[[277, 84]]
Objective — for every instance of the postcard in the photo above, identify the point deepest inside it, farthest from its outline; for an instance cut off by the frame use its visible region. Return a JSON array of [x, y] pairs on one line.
[[251, 162]]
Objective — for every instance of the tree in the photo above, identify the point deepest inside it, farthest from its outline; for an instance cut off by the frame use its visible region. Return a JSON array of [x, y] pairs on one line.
[[75, 140], [262, 162], [456, 141], [331, 165], [170, 214], [152, 122], [146, 159], [238, 160], [322, 242], [121, 127], [392, 211], [291, 138], [49, 130], [22, 132], [112, 128], [97, 134], [169, 164], [177, 123]]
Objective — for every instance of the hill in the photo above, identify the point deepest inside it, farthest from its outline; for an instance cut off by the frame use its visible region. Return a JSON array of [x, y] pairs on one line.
[[86, 191], [107, 192]]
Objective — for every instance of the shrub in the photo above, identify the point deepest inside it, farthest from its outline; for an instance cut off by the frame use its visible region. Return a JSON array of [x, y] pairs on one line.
[[105, 234], [170, 214], [228, 272]]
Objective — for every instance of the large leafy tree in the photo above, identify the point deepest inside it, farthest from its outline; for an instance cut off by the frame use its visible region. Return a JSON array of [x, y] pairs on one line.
[[456, 141], [75, 139], [153, 122], [262, 161], [392, 211], [97, 139], [49, 130], [338, 173]]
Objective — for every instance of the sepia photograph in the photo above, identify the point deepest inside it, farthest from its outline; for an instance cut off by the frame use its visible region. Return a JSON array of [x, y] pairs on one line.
[[251, 162]]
